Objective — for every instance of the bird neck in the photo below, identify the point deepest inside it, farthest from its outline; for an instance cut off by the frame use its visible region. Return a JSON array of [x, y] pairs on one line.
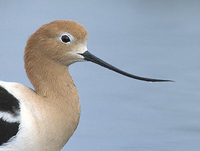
[[48, 77], [52, 81]]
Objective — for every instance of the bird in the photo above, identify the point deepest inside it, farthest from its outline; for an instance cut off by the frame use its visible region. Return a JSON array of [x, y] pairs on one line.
[[43, 118]]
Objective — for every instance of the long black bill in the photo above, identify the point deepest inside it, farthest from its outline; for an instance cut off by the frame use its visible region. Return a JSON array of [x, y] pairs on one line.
[[90, 57]]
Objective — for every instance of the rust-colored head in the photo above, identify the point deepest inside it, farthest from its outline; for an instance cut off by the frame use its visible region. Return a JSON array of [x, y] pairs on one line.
[[64, 42], [59, 40]]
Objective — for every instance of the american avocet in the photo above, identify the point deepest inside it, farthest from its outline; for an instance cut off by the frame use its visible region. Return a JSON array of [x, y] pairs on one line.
[[45, 118]]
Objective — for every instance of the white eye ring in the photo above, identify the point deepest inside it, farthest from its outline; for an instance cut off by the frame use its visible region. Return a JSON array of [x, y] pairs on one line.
[[66, 38]]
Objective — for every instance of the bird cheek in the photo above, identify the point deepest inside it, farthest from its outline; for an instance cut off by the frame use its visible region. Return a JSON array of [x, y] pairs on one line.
[[75, 57], [68, 59]]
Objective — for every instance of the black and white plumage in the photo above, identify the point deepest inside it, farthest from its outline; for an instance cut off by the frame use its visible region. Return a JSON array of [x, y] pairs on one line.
[[17, 123], [9, 116]]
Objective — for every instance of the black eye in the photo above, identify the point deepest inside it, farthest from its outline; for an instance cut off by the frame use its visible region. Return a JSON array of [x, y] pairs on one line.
[[65, 39]]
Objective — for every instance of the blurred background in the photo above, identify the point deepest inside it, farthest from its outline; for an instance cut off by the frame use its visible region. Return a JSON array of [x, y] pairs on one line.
[[151, 38]]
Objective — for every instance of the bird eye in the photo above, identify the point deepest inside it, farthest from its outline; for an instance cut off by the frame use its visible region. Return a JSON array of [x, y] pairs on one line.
[[65, 38]]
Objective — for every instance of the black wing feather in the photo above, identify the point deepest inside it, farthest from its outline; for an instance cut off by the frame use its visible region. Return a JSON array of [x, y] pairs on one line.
[[7, 130], [8, 104]]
